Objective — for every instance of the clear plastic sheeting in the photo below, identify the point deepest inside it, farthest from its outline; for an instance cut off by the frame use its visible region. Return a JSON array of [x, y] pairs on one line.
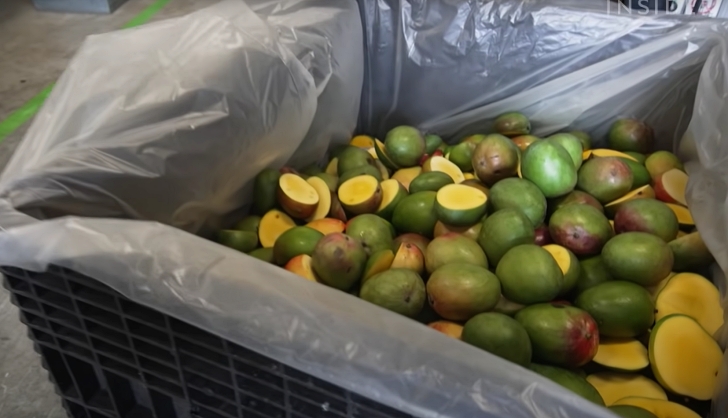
[[170, 121], [123, 148], [450, 67]]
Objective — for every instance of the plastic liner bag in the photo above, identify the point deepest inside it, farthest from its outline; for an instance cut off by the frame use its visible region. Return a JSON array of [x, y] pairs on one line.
[[430, 62], [187, 109], [670, 71]]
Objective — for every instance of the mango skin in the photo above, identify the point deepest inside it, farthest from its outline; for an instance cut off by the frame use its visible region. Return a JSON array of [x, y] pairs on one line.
[[550, 167]]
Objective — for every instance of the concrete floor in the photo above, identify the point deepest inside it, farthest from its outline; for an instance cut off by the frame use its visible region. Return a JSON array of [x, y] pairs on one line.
[[32, 59]]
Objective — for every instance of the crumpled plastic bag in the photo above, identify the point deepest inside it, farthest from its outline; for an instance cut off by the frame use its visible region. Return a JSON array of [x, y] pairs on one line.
[[173, 129], [448, 67]]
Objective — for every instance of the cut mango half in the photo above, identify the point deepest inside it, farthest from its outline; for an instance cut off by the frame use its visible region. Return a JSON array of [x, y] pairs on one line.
[[273, 224], [392, 193], [327, 226], [406, 175], [685, 358], [682, 213], [438, 163], [670, 187], [373, 153], [409, 257], [568, 263], [332, 168], [626, 354], [604, 152], [297, 197], [614, 386], [382, 155], [360, 194], [469, 176], [324, 204], [362, 141], [661, 408], [451, 329], [301, 265], [377, 263], [644, 192], [460, 205], [692, 295]]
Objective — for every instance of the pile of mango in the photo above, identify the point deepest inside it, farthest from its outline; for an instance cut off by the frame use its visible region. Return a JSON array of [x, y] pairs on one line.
[[581, 264]]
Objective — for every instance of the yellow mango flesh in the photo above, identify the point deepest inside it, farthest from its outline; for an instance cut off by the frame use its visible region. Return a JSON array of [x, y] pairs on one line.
[[622, 353], [685, 358], [692, 295], [615, 386], [659, 407]]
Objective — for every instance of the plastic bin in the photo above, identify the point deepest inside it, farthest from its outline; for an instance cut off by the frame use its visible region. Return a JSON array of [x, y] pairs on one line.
[[78, 6], [112, 358]]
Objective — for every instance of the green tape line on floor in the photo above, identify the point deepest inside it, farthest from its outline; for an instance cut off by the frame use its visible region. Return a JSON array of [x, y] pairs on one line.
[[26, 112]]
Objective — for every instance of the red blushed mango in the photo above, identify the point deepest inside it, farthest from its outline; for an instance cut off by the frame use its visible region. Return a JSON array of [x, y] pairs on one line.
[[560, 334], [542, 236], [605, 178], [420, 241], [647, 215], [581, 228]]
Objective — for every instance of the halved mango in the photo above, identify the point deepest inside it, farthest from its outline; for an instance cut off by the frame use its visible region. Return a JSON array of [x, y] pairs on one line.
[[446, 166], [661, 408], [324, 205], [460, 205], [406, 175], [684, 217], [644, 192], [392, 193], [332, 168], [373, 153], [692, 295], [614, 386], [625, 354], [568, 263], [469, 176], [360, 194], [382, 155], [670, 186], [327, 225], [685, 358], [296, 196], [409, 257], [377, 263], [362, 141], [449, 328], [605, 152], [301, 265], [273, 224]]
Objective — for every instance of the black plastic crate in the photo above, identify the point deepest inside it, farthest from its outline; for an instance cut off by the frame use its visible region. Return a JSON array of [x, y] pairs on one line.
[[112, 358]]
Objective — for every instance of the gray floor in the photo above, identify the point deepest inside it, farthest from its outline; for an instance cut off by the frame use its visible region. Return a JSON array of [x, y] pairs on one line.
[[32, 58]]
